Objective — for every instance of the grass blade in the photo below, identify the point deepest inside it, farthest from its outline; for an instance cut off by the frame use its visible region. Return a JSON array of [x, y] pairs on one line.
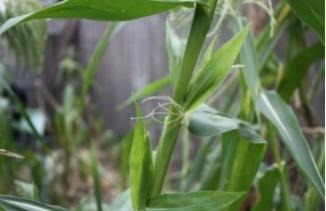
[[297, 68], [207, 80], [194, 201], [267, 184], [97, 56], [282, 116], [206, 122], [175, 48], [140, 165], [312, 13], [115, 10], [196, 169], [242, 154], [125, 157], [16, 203]]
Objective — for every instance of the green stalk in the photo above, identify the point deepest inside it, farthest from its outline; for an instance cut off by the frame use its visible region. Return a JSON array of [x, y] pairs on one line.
[[199, 28], [185, 159], [285, 192], [312, 199]]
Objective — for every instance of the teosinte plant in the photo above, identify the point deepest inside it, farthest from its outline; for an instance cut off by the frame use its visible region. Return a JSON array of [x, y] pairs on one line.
[[241, 145]]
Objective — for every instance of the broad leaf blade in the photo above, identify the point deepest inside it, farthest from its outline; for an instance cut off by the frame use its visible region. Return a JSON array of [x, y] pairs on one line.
[[297, 68], [205, 200], [274, 112], [205, 122], [282, 116], [114, 10], [267, 184], [312, 13], [140, 164], [242, 153], [16, 203], [208, 79]]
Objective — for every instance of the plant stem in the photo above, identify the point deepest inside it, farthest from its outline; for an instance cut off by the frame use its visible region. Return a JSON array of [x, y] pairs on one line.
[[286, 197], [200, 26]]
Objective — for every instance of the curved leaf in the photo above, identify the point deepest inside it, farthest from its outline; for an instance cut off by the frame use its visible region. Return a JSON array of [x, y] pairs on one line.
[[208, 79], [114, 10], [297, 68], [311, 12], [282, 116], [97, 55], [16, 203], [203, 200], [206, 122]]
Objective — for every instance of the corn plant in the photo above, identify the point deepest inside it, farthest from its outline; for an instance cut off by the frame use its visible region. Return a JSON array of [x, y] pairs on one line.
[[196, 73]]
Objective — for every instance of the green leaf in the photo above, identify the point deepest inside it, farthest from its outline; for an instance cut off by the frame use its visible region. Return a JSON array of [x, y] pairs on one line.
[[266, 44], [282, 116], [242, 154], [97, 56], [209, 77], [312, 13], [212, 172], [27, 190], [125, 157], [266, 185], [249, 58], [206, 121], [114, 10], [16, 203], [147, 91], [297, 69], [240, 146], [175, 47], [204, 200], [197, 167], [140, 164]]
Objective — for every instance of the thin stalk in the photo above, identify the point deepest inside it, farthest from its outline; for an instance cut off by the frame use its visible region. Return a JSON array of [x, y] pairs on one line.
[[96, 178], [286, 197], [96, 59], [185, 159], [312, 199], [199, 28]]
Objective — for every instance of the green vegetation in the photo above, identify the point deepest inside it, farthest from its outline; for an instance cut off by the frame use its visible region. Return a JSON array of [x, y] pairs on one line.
[[236, 99]]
